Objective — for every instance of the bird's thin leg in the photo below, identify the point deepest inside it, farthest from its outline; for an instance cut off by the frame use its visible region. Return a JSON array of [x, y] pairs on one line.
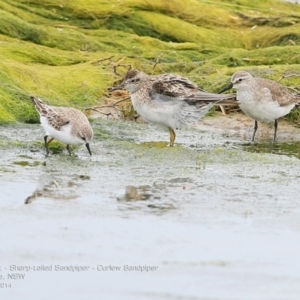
[[255, 128], [46, 144], [275, 129], [49, 141], [68, 148], [172, 137]]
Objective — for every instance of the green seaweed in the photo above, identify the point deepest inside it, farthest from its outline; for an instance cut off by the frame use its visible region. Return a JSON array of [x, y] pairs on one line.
[[67, 52]]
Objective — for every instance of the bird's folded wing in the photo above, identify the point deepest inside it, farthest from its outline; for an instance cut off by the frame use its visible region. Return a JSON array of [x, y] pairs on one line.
[[275, 92], [173, 86], [57, 120]]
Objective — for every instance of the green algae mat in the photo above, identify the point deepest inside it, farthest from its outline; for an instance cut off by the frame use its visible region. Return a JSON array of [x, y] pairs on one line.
[[71, 52]]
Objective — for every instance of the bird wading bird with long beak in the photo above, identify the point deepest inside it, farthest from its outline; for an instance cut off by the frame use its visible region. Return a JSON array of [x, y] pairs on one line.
[[168, 100], [65, 124], [262, 99]]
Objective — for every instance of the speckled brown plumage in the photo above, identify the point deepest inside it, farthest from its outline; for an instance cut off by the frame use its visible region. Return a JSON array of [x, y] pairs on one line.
[[65, 124], [279, 92], [262, 99], [169, 100]]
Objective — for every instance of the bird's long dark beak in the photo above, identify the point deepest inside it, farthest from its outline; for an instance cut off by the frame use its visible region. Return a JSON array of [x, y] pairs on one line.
[[88, 147], [227, 87], [117, 87]]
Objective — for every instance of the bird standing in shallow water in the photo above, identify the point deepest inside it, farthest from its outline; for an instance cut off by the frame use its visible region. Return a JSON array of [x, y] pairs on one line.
[[262, 99], [65, 124], [168, 100]]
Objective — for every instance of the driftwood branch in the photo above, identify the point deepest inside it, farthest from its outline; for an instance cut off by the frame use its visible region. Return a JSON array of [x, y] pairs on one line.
[[122, 100], [104, 59], [119, 64], [112, 105], [288, 76], [100, 112]]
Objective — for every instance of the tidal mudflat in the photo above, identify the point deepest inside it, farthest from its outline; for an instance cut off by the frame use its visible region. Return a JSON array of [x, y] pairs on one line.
[[211, 218]]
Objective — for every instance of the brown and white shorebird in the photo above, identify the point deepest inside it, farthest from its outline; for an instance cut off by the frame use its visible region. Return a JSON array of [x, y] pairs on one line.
[[168, 100], [65, 124], [262, 99]]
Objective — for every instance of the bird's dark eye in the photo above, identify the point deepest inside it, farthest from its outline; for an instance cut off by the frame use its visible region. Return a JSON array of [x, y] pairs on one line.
[[241, 79], [83, 138], [135, 80]]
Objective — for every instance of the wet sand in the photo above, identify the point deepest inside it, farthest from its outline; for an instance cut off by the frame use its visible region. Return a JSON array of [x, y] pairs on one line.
[[212, 218]]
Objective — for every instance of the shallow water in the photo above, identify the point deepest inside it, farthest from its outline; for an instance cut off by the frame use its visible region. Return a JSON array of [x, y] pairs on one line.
[[211, 218]]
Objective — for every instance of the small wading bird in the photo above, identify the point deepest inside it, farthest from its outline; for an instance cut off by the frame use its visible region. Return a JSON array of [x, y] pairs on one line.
[[168, 100], [262, 99], [65, 124]]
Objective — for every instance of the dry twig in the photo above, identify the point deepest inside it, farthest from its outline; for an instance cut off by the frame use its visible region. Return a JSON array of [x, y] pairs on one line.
[[101, 60], [113, 106], [287, 76], [118, 64], [156, 62]]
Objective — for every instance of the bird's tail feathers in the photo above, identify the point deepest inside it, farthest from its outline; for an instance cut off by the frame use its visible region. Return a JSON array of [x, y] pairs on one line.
[[39, 105], [192, 114]]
